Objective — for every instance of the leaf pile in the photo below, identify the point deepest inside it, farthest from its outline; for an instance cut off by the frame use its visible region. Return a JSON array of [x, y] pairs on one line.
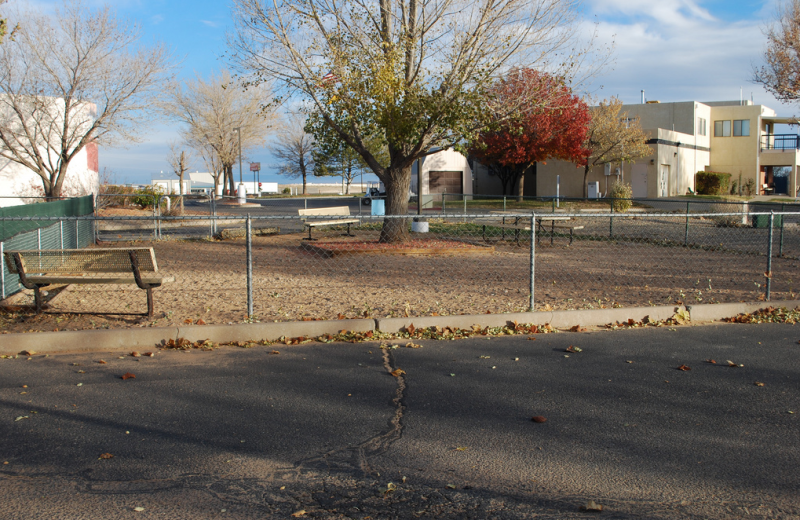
[[185, 344], [768, 315], [679, 318]]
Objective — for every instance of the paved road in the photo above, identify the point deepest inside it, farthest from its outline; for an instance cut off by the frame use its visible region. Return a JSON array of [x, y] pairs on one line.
[[324, 429]]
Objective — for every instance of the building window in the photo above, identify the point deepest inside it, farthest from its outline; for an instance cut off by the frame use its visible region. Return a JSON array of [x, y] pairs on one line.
[[723, 128], [741, 127], [701, 126]]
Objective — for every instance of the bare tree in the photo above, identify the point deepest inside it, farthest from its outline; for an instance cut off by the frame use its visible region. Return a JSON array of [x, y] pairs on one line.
[[295, 149], [781, 74], [612, 137], [79, 78], [413, 73], [179, 162], [212, 110]]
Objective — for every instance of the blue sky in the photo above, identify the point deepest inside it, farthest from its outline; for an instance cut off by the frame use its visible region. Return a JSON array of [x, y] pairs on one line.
[[675, 50]]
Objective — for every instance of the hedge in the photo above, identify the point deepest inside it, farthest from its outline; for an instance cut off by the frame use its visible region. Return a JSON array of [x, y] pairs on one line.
[[712, 183]]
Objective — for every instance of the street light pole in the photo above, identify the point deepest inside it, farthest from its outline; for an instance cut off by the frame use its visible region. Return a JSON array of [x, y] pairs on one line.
[[239, 131]]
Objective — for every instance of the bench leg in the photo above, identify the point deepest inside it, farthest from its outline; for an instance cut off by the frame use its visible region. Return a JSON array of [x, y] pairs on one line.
[[149, 302], [571, 232], [348, 234], [37, 298], [309, 234], [552, 231]]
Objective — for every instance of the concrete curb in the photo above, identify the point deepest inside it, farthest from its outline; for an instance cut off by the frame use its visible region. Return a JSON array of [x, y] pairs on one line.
[[147, 338]]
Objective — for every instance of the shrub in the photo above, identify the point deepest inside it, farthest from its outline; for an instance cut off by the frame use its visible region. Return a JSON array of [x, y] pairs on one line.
[[734, 187], [146, 196], [712, 183], [621, 194], [286, 191], [749, 187]]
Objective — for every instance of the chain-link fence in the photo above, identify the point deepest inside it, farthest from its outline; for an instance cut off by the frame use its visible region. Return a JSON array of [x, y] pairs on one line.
[[452, 263]]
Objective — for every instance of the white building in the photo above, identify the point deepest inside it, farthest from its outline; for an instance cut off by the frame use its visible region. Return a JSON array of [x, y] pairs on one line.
[[445, 171]]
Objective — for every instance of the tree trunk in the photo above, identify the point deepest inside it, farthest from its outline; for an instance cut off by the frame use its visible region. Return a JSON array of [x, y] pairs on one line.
[[397, 182], [232, 188], [585, 179], [180, 190], [521, 185]]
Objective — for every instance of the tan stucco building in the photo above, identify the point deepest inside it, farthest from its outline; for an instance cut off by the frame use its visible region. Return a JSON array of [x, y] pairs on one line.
[[735, 137]]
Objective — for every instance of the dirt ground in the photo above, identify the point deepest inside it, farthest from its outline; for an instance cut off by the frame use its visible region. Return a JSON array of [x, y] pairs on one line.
[[291, 283]]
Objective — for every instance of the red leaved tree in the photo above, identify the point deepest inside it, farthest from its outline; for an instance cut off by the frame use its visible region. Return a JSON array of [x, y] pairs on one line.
[[552, 125]]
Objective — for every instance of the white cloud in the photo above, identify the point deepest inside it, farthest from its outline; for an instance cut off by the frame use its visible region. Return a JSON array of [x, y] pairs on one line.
[[210, 23], [677, 51], [156, 19]]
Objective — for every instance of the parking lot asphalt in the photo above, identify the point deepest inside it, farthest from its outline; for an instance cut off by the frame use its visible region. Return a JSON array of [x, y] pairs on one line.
[[326, 431]]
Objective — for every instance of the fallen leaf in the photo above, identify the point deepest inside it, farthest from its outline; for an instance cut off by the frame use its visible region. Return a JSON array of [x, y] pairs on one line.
[[79, 384], [592, 506], [27, 353], [201, 321], [138, 509], [149, 354], [733, 365], [531, 338], [101, 361], [684, 368], [538, 419], [106, 456], [128, 375], [450, 486], [573, 349], [410, 329], [713, 362], [516, 359], [485, 357], [629, 361], [413, 345], [397, 372], [452, 375], [134, 354], [188, 321], [275, 352], [298, 514], [577, 328], [21, 417], [24, 386], [758, 383], [461, 448]]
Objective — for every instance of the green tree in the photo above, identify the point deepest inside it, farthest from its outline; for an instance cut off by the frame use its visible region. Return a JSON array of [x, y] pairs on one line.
[[413, 73]]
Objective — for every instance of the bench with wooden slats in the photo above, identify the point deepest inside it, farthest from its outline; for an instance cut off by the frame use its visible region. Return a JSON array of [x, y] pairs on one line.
[[335, 211], [40, 268]]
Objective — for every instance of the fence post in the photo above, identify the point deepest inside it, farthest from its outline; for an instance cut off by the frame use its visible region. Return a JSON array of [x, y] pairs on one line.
[[686, 235], [444, 204], [305, 203], [249, 241], [783, 217], [554, 206], [61, 232], [39, 238], [768, 274], [77, 234], [611, 221], [504, 202], [533, 257]]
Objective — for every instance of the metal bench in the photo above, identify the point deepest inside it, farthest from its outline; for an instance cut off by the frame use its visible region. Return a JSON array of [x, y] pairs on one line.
[[335, 211], [40, 268]]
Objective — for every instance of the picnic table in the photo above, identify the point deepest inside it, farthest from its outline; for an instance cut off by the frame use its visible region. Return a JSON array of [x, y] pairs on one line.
[[522, 223]]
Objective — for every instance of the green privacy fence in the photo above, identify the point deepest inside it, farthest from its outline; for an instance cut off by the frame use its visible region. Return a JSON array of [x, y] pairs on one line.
[[76, 207], [69, 233]]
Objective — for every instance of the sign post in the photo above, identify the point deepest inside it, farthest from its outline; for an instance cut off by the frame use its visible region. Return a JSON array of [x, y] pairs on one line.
[[256, 167]]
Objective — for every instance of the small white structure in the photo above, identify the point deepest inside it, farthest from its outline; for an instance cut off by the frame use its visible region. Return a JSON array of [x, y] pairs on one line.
[[445, 171]]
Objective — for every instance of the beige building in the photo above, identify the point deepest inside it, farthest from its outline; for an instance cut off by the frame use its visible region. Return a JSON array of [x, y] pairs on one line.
[[735, 137]]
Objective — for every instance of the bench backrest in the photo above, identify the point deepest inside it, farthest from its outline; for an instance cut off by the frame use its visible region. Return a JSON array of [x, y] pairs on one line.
[[338, 210], [83, 260]]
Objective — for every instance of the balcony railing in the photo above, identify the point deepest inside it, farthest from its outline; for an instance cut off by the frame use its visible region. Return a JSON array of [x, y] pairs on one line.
[[781, 142]]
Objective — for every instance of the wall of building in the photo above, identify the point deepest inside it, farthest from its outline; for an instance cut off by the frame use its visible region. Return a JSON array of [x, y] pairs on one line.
[[738, 154]]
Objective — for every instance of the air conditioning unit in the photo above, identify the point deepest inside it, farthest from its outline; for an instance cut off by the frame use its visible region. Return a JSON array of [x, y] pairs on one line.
[[594, 190]]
